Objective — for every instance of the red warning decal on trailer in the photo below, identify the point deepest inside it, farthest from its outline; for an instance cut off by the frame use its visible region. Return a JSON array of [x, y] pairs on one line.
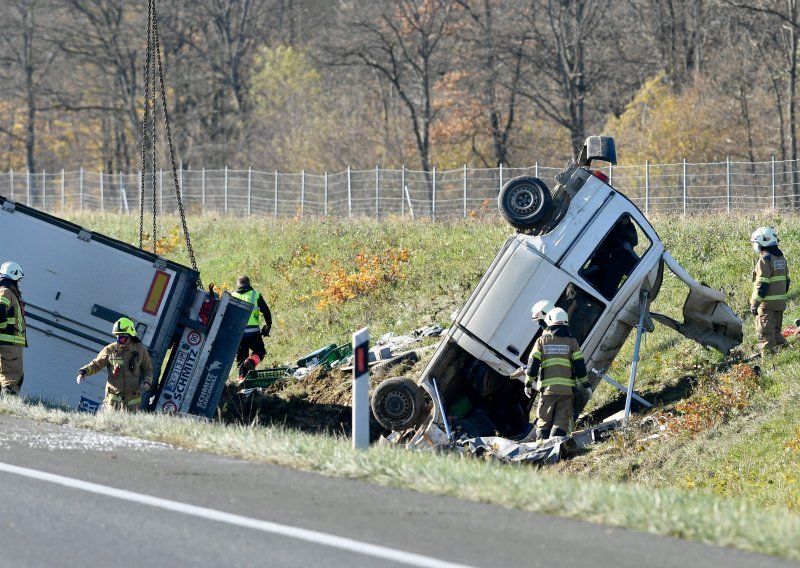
[[157, 290]]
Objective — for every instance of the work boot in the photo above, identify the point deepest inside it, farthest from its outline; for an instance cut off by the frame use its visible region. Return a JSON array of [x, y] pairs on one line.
[[542, 434]]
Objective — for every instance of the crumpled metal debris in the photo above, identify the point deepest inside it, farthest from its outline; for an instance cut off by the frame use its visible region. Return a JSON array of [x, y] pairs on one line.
[[509, 451]]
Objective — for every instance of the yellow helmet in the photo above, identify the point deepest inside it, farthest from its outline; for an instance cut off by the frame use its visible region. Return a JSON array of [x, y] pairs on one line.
[[124, 326]]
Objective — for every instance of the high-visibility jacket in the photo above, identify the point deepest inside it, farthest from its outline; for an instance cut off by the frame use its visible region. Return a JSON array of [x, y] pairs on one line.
[[770, 280], [558, 356], [12, 318], [134, 368], [248, 294], [251, 296]]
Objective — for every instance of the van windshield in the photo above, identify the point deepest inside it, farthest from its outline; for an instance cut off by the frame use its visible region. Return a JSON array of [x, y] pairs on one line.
[[616, 256]]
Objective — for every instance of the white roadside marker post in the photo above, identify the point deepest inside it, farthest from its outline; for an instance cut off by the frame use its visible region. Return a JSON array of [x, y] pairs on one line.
[[361, 389]]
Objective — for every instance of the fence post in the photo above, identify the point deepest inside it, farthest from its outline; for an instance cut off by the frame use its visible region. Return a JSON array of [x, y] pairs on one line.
[[249, 188], [610, 172], [44, 190], [28, 188], [325, 199], [647, 187], [773, 183], [465, 191], [276, 195], [402, 191], [62, 190], [203, 188], [377, 193], [728, 182], [11, 182], [141, 187], [501, 175], [160, 191], [302, 193], [684, 187], [226, 189], [536, 169], [433, 196], [349, 195], [102, 202], [80, 189], [123, 194]]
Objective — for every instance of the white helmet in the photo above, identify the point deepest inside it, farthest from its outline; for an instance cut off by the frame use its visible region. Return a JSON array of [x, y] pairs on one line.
[[540, 309], [11, 270], [763, 237], [556, 316]]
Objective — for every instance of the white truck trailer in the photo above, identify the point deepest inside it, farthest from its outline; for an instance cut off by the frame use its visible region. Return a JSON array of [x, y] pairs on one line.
[[77, 283]]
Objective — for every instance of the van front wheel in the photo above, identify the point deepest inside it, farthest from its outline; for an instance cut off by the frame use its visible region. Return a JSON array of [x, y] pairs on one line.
[[524, 201], [397, 404]]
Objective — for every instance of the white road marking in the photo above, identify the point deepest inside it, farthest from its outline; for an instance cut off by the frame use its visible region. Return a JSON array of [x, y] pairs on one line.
[[315, 537]]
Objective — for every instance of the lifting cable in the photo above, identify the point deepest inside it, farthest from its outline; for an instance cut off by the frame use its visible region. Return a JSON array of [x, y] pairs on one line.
[[153, 62]]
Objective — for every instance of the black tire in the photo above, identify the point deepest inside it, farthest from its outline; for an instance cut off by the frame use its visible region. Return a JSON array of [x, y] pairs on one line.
[[397, 404], [524, 202]]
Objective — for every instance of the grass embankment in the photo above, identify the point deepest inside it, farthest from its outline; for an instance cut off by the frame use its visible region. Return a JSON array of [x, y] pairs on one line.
[[725, 468]]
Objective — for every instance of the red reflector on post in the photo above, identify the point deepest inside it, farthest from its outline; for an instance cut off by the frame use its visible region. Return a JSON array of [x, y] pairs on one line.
[[600, 175]]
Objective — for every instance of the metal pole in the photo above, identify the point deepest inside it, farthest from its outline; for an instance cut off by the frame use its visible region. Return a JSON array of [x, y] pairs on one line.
[[249, 188], [360, 431], [276, 194], [203, 188], [102, 202], [349, 195], [44, 190], [643, 299], [536, 169], [647, 187], [501, 175], [11, 182], [465, 191], [610, 172], [62, 190], [684, 187], [325, 200], [226, 189], [80, 189], [377, 193], [402, 190], [773, 183], [433, 196], [28, 188], [728, 182], [122, 193], [302, 193]]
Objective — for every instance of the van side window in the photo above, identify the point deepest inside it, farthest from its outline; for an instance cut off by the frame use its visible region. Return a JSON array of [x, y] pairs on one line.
[[583, 310], [616, 256]]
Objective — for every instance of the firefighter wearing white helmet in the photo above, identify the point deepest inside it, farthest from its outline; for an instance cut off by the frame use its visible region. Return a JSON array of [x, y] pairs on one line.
[[538, 312], [129, 368], [770, 288], [13, 338], [556, 363]]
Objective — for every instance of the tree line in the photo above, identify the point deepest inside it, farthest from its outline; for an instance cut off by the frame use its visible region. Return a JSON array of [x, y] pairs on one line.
[[316, 85]]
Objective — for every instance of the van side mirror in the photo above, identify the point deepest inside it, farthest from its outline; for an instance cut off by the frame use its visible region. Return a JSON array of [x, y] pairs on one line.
[[598, 148]]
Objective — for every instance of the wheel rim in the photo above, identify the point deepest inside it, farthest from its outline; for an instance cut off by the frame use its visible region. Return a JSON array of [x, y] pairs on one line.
[[524, 200], [398, 405]]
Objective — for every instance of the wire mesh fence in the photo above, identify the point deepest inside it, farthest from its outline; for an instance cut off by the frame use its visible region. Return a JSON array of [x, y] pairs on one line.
[[683, 188]]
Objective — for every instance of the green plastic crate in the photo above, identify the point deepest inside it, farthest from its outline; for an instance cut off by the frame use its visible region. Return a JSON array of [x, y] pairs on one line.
[[342, 352], [262, 378], [315, 358]]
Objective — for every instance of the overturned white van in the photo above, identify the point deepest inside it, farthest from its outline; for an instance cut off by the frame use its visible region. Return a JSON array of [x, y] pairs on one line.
[[589, 250]]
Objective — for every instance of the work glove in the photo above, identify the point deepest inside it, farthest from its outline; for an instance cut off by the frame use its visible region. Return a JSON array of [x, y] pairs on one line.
[[753, 308], [529, 390], [81, 376], [265, 329]]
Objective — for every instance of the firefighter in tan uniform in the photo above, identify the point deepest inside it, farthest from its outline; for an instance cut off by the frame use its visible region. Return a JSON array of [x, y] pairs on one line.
[[12, 328], [130, 371], [770, 286], [556, 360]]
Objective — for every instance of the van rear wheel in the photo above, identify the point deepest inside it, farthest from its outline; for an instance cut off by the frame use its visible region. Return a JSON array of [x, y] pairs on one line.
[[524, 201], [397, 404]]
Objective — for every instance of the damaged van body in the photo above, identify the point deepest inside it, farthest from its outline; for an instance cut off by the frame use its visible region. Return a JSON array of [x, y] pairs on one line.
[[585, 247]]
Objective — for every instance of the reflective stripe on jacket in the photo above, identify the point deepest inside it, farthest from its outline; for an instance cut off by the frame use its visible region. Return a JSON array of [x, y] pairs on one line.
[[251, 296], [556, 360], [12, 328], [770, 281]]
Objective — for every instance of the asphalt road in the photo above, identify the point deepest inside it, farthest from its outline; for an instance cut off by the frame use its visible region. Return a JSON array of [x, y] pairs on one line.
[[73, 497]]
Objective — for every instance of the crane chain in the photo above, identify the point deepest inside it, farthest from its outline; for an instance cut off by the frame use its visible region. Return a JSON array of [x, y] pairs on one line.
[[145, 114], [154, 51]]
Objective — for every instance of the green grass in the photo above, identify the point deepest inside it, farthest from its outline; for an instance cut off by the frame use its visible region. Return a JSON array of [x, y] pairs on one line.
[[736, 483]]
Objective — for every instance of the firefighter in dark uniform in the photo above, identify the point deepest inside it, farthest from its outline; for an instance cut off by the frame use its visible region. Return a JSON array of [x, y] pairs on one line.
[[556, 360], [130, 370], [770, 286], [251, 349], [12, 328]]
